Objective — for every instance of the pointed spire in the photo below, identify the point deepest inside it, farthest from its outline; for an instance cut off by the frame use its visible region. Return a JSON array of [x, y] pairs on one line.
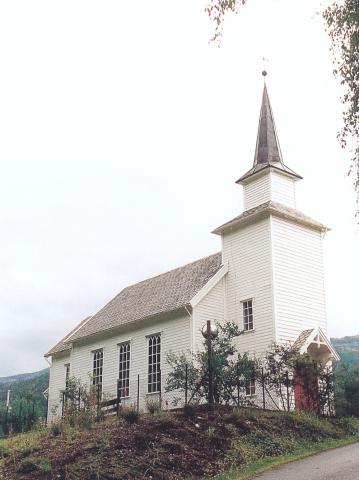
[[267, 147], [268, 152]]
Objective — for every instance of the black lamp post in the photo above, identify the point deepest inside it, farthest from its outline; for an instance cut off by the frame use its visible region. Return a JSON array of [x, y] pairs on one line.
[[209, 331]]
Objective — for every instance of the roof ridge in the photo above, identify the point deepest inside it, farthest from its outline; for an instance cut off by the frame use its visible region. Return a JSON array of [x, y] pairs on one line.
[[171, 270]]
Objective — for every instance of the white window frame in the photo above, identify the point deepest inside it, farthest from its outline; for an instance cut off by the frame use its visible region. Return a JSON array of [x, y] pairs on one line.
[[248, 316], [154, 363], [124, 368], [250, 387], [97, 368]]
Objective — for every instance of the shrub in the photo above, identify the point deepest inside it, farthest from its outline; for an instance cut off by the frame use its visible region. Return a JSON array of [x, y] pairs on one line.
[[4, 451], [165, 422], [32, 464], [153, 406], [189, 411], [56, 429], [267, 445], [130, 414], [29, 450]]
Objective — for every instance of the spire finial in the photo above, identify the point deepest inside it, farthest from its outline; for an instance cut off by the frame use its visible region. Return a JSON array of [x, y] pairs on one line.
[[264, 71]]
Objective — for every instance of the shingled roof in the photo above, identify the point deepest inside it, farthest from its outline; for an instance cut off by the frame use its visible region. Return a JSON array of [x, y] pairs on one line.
[[64, 345], [167, 292], [302, 338]]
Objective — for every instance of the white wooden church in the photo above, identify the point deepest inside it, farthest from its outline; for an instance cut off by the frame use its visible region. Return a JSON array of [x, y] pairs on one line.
[[268, 278]]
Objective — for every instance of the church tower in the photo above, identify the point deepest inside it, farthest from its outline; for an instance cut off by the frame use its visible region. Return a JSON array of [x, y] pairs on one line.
[[275, 283]]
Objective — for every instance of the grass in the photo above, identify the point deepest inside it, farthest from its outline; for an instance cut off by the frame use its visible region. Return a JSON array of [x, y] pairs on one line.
[[271, 462], [224, 444]]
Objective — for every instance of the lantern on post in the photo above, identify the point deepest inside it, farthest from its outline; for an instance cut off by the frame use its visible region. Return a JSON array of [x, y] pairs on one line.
[[209, 332]]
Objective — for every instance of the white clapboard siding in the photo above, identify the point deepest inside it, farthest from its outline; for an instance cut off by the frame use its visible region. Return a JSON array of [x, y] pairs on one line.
[[257, 191], [298, 278], [175, 336], [57, 383], [211, 307], [283, 189], [270, 185], [248, 253]]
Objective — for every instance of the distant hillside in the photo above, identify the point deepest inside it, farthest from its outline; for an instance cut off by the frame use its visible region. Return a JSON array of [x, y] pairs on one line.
[[23, 377], [348, 349], [25, 385]]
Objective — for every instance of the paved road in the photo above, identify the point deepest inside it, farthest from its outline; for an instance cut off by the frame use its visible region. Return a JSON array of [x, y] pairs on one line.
[[339, 464]]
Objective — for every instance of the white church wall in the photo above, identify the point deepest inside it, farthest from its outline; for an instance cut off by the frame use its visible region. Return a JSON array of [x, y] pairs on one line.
[[211, 307], [282, 189], [269, 185], [257, 191], [298, 278], [175, 336], [57, 383], [248, 253]]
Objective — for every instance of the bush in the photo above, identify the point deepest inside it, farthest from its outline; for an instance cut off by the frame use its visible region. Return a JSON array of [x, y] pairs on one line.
[[29, 450], [130, 414], [56, 429], [32, 464], [189, 411], [153, 406], [267, 445]]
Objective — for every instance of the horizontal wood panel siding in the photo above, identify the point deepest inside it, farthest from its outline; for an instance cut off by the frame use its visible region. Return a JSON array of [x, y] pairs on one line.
[[299, 279], [57, 383], [282, 189], [175, 336], [211, 307], [248, 253], [257, 191]]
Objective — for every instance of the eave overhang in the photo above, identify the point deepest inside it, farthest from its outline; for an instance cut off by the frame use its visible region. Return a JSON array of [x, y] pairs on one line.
[[266, 209]]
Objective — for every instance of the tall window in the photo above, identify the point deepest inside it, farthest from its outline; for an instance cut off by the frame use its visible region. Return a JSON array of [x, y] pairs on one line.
[[97, 370], [124, 370], [67, 374], [154, 364], [248, 315], [251, 387]]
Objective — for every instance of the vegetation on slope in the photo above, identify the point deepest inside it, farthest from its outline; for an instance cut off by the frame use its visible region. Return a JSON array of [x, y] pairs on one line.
[[26, 399], [348, 349], [194, 443]]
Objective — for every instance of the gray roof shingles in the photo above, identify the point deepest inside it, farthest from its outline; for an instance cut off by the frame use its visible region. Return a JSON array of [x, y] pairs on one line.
[[63, 345], [167, 292], [274, 208], [302, 338]]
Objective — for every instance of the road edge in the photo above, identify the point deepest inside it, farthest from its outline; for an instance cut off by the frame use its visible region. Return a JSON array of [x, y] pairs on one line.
[[250, 471]]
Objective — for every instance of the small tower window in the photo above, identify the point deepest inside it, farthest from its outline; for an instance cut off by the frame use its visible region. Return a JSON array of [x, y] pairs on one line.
[[248, 315]]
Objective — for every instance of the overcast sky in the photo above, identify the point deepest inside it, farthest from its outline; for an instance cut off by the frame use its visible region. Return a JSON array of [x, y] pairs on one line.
[[122, 131]]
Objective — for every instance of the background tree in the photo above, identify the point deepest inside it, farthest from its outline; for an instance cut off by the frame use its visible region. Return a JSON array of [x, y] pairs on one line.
[[342, 22]]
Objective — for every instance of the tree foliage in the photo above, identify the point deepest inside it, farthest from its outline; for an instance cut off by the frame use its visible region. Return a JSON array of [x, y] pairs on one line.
[[216, 11], [231, 370], [347, 389], [342, 20], [278, 375]]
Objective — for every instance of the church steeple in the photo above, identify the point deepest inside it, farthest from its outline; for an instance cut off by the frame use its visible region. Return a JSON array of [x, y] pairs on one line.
[[268, 153], [267, 147]]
